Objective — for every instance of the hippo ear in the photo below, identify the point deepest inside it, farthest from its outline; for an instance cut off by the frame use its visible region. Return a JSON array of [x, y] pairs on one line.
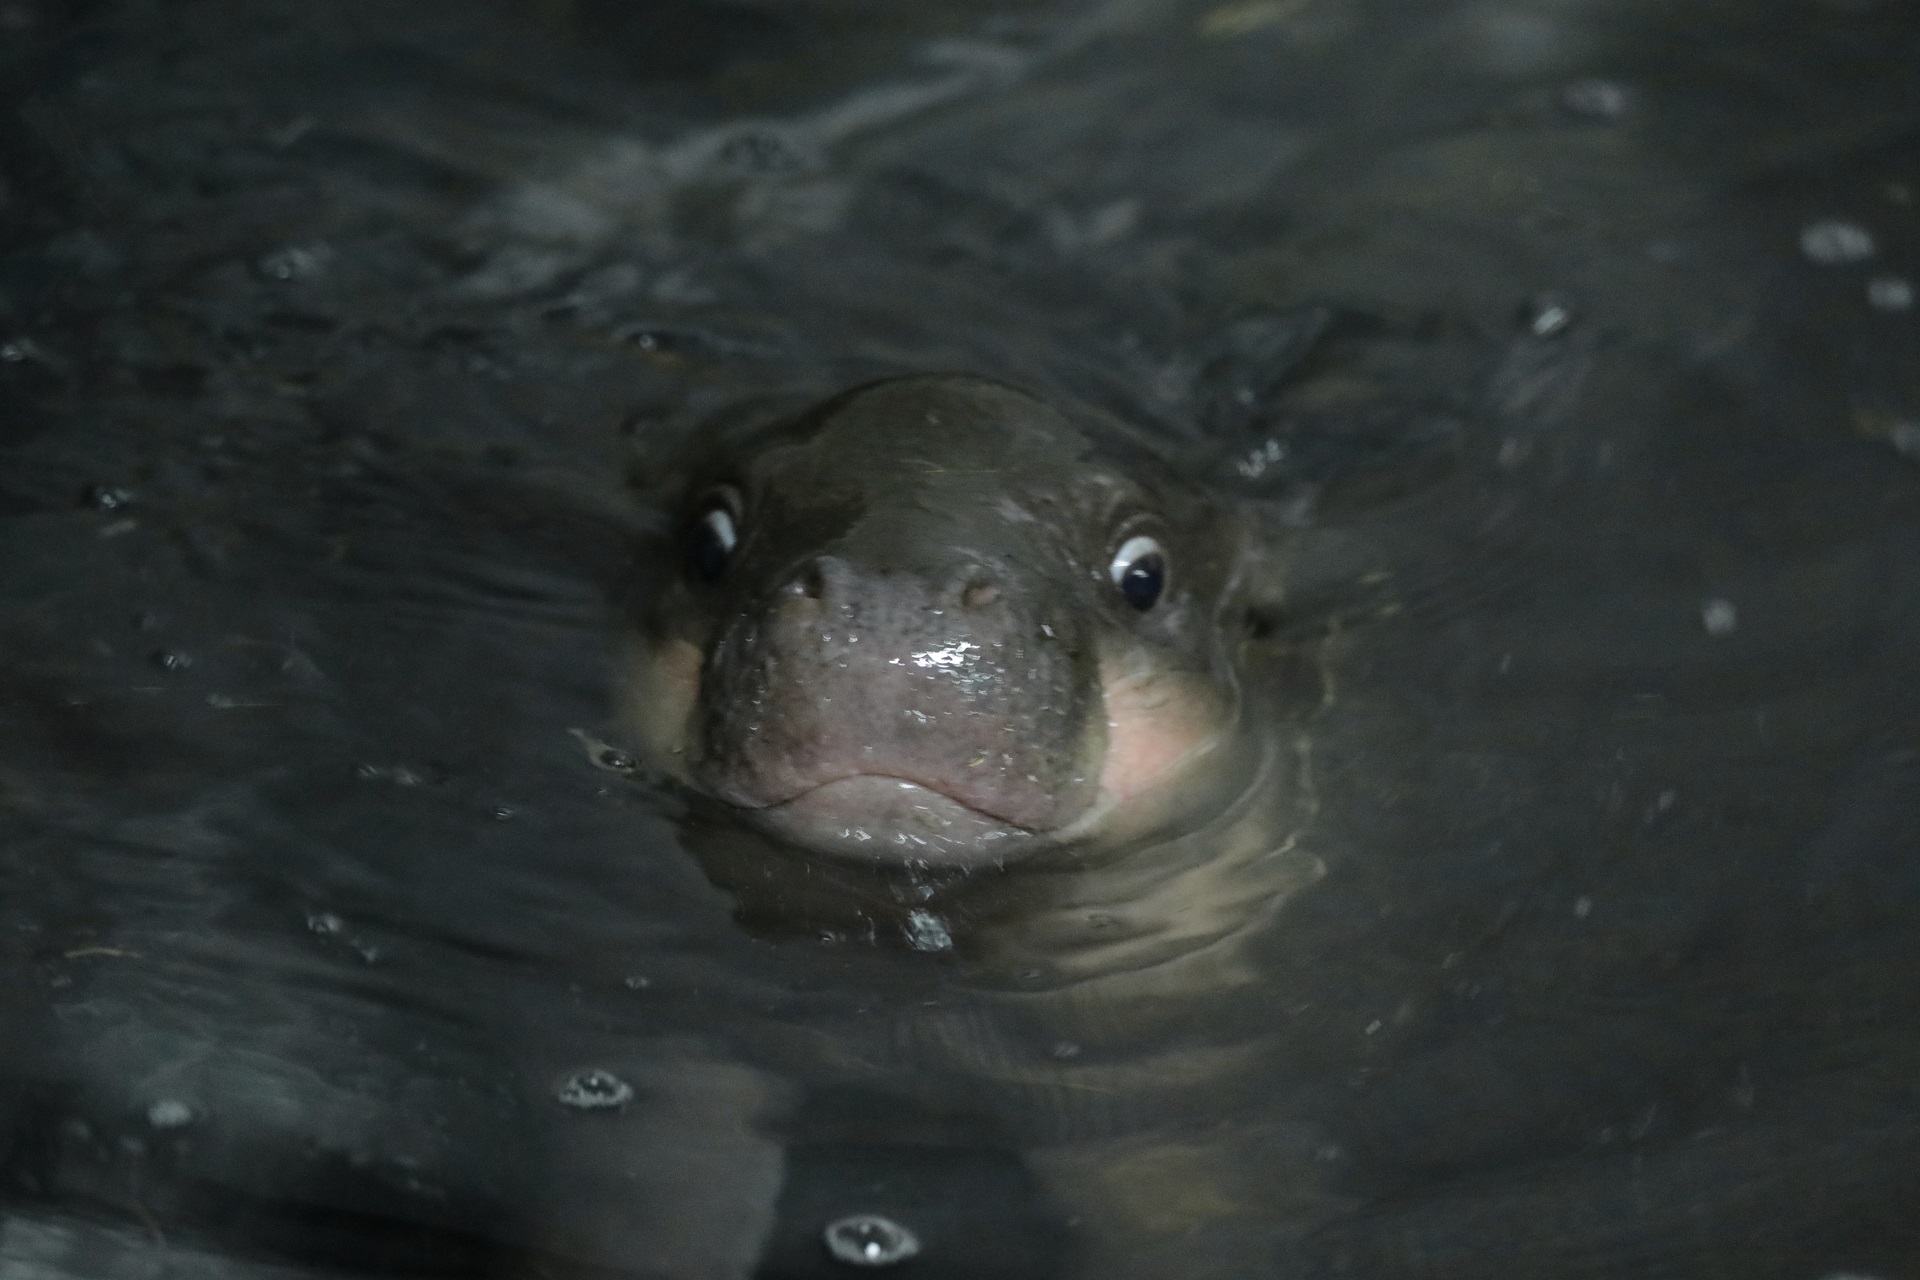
[[668, 442], [1326, 415], [1422, 563], [1298, 583], [1240, 371]]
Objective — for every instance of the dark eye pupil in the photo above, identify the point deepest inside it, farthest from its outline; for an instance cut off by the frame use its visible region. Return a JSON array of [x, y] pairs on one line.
[[1143, 582], [710, 546], [707, 559]]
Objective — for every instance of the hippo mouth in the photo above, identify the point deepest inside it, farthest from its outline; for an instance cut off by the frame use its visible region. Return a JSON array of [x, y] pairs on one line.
[[877, 815], [958, 810]]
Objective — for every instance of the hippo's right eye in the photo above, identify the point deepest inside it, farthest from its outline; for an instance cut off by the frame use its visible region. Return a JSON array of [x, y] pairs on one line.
[[711, 541], [1139, 570]]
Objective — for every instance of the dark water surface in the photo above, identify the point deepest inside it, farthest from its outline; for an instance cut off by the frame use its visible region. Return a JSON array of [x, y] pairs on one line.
[[1573, 339]]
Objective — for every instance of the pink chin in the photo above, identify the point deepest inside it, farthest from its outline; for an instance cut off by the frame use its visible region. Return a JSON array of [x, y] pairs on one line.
[[878, 818]]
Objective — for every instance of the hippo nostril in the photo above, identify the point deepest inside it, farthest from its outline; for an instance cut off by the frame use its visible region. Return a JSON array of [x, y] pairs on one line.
[[974, 587], [810, 583], [979, 595]]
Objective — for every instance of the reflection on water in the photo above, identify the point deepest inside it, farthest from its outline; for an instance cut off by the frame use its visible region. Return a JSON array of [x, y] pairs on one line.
[[1567, 347]]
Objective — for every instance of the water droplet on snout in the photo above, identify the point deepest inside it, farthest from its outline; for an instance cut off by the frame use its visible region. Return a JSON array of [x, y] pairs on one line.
[[594, 1090], [869, 1240], [1261, 458]]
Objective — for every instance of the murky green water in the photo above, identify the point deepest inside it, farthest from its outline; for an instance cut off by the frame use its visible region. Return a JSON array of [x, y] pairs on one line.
[[1572, 342]]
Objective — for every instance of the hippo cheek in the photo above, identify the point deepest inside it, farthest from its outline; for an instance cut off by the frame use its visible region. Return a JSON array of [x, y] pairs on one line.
[[662, 693], [1160, 725]]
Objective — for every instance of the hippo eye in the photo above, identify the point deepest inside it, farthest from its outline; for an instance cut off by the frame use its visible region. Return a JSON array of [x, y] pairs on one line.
[[712, 539], [1139, 570]]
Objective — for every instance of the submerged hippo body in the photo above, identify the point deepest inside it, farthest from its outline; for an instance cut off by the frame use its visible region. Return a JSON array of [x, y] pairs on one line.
[[944, 666], [935, 628]]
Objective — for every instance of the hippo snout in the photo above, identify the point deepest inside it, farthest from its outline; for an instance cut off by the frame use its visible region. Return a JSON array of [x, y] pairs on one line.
[[955, 680]]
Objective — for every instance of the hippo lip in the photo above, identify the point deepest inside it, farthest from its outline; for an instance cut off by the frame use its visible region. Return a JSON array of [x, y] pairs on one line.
[[884, 816], [850, 786]]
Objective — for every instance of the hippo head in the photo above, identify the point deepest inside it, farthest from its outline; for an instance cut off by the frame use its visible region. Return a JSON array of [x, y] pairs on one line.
[[933, 619]]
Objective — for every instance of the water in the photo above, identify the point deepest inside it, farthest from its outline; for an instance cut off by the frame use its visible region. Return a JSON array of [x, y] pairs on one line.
[[329, 336]]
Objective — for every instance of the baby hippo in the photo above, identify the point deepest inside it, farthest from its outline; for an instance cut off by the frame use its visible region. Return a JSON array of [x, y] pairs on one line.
[[936, 621]]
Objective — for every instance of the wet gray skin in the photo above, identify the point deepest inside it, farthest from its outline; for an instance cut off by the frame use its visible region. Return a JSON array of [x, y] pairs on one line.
[[897, 634]]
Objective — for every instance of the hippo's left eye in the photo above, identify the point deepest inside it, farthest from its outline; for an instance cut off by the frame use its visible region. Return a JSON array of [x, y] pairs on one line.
[[714, 536], [1139, 570]]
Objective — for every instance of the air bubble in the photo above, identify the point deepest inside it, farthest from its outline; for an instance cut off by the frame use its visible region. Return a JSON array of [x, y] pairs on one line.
[[1256, 462], [616, 760], [169, 1113], [759, 153], [1546, 317], [928, 932], [295, 262], [1904, 436], [106, 497], [1835, 242], [1597, 99], [594, 1090], [1890, 293], [869, 1240]]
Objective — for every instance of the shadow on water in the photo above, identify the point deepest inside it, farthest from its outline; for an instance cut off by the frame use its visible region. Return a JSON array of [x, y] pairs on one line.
[[1566, 350]]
